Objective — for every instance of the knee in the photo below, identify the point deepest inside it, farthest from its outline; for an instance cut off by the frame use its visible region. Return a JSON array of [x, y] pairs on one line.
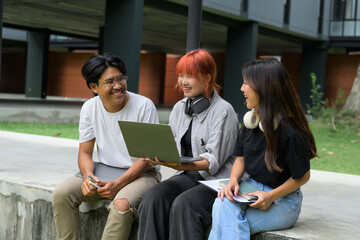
[[183, 207], [59, 195], [122, 205], [180, 205], [221, 206], [152, 198]]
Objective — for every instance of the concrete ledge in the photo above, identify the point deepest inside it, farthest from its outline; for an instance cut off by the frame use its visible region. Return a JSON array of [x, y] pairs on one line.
[[31, 166], [28, 214]]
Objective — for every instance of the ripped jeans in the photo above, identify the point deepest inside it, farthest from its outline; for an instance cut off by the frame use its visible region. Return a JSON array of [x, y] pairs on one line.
[[68, 196]]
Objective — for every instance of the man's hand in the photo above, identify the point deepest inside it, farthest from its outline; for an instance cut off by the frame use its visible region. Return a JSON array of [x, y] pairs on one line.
[[88, 189], [108, 189]]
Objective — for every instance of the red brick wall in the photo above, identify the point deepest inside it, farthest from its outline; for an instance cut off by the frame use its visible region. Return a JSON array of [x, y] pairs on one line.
[[171, 93], [152, 72], [292, 62], [64, 76], [340, 73]]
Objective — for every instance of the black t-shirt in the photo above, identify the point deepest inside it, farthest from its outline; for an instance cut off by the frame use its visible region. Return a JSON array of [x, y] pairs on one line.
[[186, 142], [293, 155]]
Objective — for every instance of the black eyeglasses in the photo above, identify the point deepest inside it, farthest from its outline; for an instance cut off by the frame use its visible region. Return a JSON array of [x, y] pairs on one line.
[[110, 82]]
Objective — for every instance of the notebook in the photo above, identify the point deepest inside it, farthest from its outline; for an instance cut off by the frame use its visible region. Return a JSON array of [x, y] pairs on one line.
[[151, 140]]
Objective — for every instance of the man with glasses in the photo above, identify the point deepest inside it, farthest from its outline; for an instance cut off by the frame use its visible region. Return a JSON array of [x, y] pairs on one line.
[[106, 76]]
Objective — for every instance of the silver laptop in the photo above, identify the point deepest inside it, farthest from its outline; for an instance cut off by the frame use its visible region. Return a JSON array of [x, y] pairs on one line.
[[151, 140]]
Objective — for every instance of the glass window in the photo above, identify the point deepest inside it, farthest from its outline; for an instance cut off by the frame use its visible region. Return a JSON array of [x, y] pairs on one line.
[[349, 28], [358, 10], [336, 28], [338, 10], [350, 9], [357, 31]]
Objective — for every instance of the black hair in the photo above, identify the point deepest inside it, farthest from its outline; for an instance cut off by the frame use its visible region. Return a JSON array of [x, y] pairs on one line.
[[95, 66], [277, 96]]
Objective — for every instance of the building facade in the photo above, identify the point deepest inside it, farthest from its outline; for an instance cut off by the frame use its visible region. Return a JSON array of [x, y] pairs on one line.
[[320, 36]]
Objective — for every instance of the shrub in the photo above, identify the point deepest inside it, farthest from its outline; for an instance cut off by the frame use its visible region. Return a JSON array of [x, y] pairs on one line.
[[317, 104]]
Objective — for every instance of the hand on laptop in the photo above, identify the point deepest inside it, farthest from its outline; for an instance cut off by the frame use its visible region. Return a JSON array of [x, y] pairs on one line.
[[183, 166], [152, 162]]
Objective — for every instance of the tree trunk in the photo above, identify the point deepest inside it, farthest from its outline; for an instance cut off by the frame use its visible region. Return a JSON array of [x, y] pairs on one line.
[[353, 101]]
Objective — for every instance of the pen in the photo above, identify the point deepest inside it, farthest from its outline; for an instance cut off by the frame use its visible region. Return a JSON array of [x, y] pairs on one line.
[[202, 142], [92, 179]]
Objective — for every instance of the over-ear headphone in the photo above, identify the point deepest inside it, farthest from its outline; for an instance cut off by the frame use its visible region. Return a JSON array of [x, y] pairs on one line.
[[196, 105], [252, 120]]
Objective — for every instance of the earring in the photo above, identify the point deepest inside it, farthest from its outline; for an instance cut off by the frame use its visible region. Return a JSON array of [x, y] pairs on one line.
[[251, 119]]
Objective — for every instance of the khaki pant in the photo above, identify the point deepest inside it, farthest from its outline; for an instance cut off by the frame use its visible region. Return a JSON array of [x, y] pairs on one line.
[[68, 196]]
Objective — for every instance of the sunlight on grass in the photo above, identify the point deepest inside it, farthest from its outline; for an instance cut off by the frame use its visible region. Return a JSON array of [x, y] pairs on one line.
[[338, 150], [62, 130]]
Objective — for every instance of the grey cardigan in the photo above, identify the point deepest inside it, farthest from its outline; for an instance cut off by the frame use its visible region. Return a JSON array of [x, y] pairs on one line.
[[213, 134]]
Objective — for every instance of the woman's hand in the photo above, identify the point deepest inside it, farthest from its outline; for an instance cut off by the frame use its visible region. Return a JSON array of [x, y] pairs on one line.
[[176, 166], [263, 202], [228, 190]]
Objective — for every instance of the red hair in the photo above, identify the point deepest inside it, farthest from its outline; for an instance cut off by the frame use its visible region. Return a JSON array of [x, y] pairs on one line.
[[199, 63]]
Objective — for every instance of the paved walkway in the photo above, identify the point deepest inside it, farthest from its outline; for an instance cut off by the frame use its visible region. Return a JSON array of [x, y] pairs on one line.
[[331, 207]]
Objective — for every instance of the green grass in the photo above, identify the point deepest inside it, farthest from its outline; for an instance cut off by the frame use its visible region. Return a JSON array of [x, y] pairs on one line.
[[62, 130], [339, 151]]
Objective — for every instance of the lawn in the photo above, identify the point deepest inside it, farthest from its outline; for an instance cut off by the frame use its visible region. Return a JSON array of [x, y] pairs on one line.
[[62, 130], [339, 151]]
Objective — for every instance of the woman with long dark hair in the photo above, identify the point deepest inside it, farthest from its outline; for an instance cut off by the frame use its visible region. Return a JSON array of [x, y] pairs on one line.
[[273, 153]]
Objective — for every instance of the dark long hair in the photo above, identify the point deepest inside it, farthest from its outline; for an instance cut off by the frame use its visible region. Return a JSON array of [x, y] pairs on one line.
[[277, 96]]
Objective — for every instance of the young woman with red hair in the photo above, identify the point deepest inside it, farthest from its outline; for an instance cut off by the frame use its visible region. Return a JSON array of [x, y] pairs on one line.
[[204, 126]]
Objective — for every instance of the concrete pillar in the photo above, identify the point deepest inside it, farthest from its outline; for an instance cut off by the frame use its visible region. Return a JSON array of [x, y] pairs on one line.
[[1, 28], [193, 39], [37, 64], [241, 48], [122, 35], [314, 59], [101, 40]]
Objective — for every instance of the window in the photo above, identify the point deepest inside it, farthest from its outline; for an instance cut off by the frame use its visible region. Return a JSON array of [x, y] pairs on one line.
[[343, 18]]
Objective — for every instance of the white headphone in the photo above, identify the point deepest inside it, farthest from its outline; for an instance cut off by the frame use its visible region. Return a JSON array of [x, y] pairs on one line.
[[252, 120]]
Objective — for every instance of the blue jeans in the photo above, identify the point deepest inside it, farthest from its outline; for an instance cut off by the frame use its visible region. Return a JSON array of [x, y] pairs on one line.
[[239, 221]]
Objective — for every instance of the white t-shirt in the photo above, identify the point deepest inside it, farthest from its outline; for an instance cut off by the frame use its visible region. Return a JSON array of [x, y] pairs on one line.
[[96, 122]]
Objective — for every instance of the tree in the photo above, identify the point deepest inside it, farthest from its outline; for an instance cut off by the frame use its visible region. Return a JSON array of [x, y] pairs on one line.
[[353, 101]]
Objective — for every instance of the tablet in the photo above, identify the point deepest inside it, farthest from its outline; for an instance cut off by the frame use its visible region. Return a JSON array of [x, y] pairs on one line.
[[105, 172]]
